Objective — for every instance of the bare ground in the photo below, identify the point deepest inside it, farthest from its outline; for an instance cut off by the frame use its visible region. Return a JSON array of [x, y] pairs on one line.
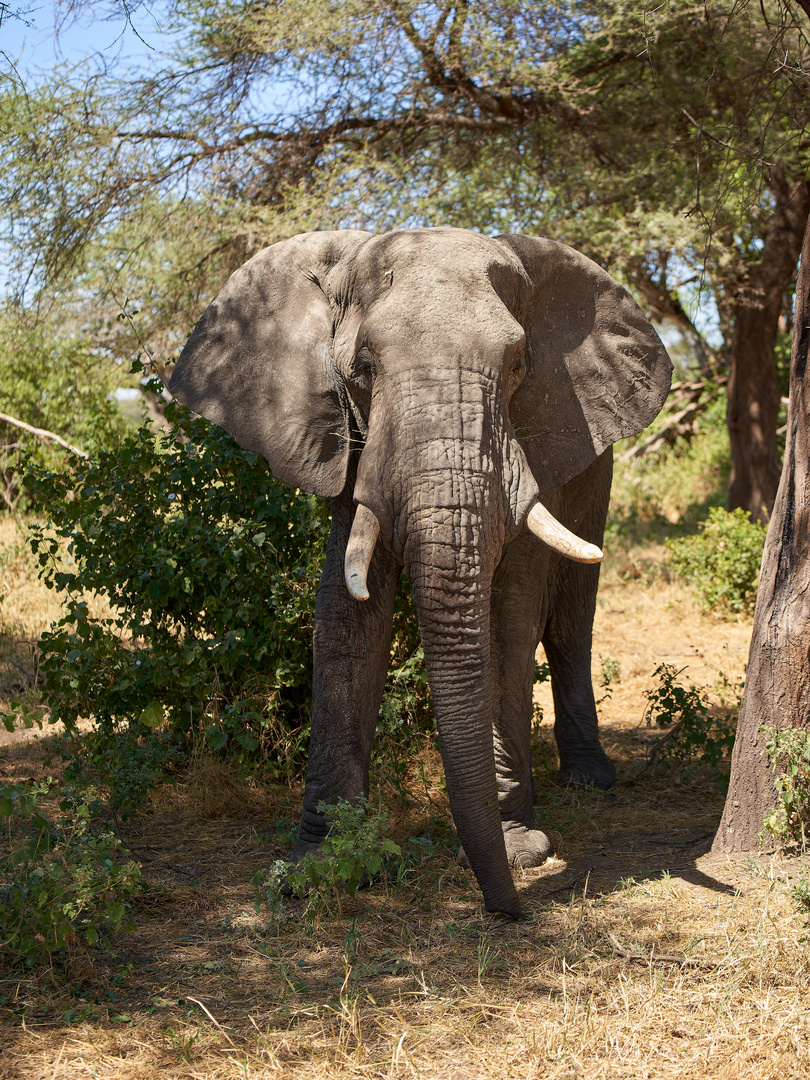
[[639, 956]]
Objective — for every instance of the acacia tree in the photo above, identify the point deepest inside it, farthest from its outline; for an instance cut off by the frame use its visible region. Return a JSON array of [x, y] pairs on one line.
[[654, 138], [777, 685]]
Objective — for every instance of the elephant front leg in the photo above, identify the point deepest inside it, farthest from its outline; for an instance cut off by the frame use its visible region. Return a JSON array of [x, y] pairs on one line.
[[352, 641], [518, 603]]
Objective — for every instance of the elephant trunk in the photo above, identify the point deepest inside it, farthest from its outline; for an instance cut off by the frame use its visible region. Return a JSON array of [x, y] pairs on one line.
[[452, 591]]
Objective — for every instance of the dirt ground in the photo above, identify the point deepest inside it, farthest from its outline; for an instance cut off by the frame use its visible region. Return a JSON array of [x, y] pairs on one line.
[[639, 955]]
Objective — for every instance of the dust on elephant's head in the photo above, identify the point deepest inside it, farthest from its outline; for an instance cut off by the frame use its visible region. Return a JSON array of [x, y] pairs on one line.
[[330, 342]]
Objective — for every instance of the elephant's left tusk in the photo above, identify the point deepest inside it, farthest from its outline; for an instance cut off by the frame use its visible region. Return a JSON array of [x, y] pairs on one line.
[[359, 550], [546, 528]]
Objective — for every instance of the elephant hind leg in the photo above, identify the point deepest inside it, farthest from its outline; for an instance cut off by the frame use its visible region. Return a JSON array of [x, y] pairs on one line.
[[568, 633], [576, 727], [526, 846]]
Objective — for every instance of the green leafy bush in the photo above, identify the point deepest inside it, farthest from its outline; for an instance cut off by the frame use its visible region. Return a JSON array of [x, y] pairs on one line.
[[207, 567], [355, 850], [722, 561], [60, 883], [54, 381], [789, 751], [675, 484], [694, 732]]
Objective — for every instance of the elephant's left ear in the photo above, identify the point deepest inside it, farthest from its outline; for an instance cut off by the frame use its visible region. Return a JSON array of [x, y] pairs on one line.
[[259, 361], [596, 370]]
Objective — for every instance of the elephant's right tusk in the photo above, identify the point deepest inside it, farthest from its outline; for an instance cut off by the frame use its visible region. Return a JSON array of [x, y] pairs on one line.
[[546, 528], [359, 550]]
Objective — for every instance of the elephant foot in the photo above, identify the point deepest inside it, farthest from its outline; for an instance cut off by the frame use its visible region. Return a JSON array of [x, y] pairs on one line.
[[526, 846], [592, 770]]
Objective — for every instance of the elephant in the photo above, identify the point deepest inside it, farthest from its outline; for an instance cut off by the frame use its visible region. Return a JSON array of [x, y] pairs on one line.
[[457, 397]]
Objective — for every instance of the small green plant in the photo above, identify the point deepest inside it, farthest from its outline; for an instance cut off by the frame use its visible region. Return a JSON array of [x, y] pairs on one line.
[[354, 851], [722, 561], [609, 674], [801, 896], [60, 883], [789, 751], [694, 732]]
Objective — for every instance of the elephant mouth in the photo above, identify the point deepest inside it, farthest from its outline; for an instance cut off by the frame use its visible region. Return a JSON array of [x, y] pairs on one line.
[[543, 524]]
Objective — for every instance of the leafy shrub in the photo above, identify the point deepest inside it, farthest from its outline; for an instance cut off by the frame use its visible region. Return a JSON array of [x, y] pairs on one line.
[[722, 561], [673, 485], [694, 733], [59, 883], [355, 851], [406, 718], [208, 567], [789, 751], [53, 381]]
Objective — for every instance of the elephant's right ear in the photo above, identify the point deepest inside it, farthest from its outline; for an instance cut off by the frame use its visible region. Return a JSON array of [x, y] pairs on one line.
[[259, 362]]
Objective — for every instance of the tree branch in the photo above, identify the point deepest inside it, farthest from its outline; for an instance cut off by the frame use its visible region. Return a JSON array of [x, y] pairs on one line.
[[41, 433]]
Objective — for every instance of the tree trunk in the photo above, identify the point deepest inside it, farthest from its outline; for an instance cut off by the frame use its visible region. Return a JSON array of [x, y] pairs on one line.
[[777, 687], [753, 389]]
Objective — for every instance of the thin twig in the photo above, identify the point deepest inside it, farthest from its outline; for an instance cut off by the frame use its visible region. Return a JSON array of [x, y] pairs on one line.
[[214, 1021]]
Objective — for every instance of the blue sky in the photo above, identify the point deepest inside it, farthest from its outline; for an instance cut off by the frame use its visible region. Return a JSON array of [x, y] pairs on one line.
[[46, 38]]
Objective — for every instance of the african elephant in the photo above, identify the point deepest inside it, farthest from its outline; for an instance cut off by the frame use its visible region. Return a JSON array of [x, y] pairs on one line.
[[457, 397]]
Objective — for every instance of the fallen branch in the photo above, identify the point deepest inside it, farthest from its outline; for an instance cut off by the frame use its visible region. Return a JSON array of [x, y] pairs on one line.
[[42, 433], [660, 742], [685, 397], [662, 958]]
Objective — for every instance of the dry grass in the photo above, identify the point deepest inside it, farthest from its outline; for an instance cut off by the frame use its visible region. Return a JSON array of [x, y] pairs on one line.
[[639, 956]]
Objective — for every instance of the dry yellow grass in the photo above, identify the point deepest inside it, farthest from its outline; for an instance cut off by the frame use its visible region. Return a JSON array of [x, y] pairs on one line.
[[640, 956], [576, 989]]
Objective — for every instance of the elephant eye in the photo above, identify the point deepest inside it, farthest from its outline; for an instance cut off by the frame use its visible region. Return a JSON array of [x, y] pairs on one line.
[[363, 366], [517, 371]]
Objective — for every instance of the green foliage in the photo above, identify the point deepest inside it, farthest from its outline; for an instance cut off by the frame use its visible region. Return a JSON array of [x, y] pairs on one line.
[[789, 752], [499, 116], [204, 570], [610, 673], [722, 561], [695, 733], [52, 381], [60, 883], [800, 894], [354, 852], [406, 717], [673, 486]]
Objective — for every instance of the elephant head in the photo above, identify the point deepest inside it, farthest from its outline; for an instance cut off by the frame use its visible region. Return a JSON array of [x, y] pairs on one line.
[[453, 379]]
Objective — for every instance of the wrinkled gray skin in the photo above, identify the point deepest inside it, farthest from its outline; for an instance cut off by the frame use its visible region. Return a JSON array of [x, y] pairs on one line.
[[444, 380]]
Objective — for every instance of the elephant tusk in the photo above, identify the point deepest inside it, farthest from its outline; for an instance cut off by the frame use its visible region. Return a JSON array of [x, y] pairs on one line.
[[546, 528], [359, 550]]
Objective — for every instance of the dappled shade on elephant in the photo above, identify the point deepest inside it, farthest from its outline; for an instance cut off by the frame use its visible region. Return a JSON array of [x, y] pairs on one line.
[[457, 397]]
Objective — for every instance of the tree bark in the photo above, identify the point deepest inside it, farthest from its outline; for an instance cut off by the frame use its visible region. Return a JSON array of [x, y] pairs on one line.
[[753, 387], [777, 688]]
